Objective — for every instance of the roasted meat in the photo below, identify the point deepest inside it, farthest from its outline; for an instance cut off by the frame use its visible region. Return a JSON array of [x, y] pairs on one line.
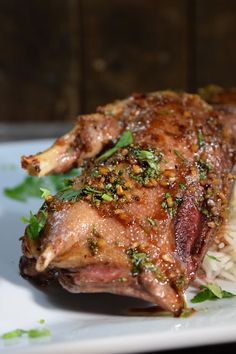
[[153, 194]]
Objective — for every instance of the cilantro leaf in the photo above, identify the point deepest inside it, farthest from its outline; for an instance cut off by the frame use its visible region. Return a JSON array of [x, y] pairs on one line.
[[70, 194], [211, 292], [36, 224], [45, 193], [30, 186], [125, 140]]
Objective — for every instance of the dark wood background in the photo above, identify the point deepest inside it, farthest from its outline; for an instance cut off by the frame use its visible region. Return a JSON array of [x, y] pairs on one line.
[[59, 58]]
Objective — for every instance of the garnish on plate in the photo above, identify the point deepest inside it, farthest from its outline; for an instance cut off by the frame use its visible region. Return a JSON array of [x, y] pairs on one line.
[[32, 186], [30, 333], [211, 292]]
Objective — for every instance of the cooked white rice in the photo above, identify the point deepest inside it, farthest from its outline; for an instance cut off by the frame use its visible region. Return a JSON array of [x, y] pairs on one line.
[[220, 260]]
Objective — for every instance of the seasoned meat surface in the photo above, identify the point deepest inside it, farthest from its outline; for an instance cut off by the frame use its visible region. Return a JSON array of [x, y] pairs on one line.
[[140, 218]]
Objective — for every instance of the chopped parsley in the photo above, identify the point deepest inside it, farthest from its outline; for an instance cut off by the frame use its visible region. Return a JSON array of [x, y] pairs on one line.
[[204, 168], [93, 245], [149, 161], [69, 194], [205, 212], [141, 262], [125, 140], [169, 205], [182, 186], [213, 258], [35, 223], [107, 197], [211, 292], [122, 279], [180, 156], [152, 221], [200, 138], [31, 333]]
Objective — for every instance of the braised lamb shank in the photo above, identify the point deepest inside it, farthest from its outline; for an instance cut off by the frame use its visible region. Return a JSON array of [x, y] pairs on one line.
[[153, 194]]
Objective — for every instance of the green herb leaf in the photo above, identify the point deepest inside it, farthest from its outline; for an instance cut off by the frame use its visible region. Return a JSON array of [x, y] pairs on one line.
[[204, 168], [13, 334], [200, 138], [213, 258], [30, 187], [36, 224], [152, 221], [211, 292], [216, 290], [182, 186], [107, 197], [70, 194], [140, 261], [93, 245], [38, 333], [180, 156], [125, 140], [149, 157], [45, 193]]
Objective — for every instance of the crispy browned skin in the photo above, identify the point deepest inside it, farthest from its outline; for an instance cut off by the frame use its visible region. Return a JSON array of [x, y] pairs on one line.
[[166, 211]]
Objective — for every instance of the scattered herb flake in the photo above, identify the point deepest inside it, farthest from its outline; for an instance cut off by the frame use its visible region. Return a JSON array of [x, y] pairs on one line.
[[152, 221], [13, 334], [213, 258], [180, 156], [31, 333], [38, 333], [122, 279], [107, 197], [93, 245], [141, 262], [204, 168], [182, 186], [200, 138]]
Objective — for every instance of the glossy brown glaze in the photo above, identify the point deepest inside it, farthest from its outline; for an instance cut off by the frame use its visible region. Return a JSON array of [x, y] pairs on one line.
[[167, 209]]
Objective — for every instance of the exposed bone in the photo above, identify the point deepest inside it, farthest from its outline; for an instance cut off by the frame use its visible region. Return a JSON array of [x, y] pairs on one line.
[[89, 136], [45, 259], [59, 157]]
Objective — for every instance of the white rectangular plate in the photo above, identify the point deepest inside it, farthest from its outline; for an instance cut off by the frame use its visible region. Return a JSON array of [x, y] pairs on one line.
[[87, 323]]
